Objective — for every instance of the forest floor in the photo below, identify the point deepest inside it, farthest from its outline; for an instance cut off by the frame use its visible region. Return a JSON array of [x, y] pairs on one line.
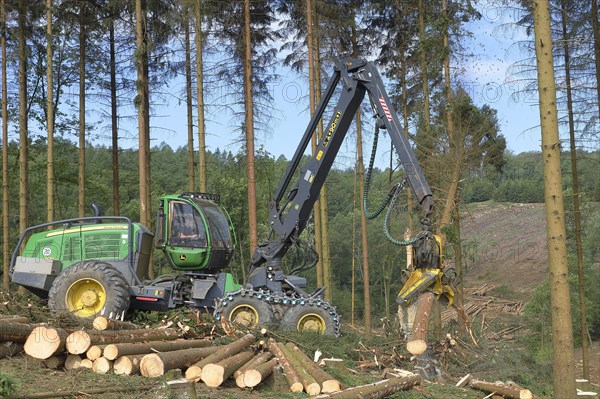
[[505, 258]]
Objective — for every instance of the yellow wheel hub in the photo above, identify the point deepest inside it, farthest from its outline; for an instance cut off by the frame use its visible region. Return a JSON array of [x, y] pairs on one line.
[[85, 297], [311, 322], [244, 315]]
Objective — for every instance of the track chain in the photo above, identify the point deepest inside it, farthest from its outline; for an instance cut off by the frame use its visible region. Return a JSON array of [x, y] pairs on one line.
[[273, 299]]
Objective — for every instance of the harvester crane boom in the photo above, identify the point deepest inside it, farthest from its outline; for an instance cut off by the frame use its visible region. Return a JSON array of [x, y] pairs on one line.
[[357, 78]]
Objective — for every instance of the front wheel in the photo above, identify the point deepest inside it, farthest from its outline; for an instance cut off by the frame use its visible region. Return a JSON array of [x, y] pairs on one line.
[[310, 318], [88, 288], [246, 312]]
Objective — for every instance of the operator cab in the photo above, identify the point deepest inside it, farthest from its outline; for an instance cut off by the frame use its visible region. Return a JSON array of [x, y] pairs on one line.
[[195, 232]]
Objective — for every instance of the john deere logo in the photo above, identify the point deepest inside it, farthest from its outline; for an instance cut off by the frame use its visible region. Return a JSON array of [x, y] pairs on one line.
[[182, 257], [47, 251]]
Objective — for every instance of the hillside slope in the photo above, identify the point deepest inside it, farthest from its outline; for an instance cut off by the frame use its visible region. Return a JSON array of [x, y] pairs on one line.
[[505, 244]]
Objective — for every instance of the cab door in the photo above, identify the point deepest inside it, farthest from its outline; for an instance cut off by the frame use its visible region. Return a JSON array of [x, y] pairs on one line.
[[187, 236]]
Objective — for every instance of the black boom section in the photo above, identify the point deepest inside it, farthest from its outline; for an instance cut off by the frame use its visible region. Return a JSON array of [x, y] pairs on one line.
[[288, 220]]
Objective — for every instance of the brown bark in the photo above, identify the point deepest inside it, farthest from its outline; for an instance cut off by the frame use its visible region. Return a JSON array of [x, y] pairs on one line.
[[79, 341], [14, 319], [114, 116], [104, 323], [257, 360], [311, 386], [49, 114], [504, 390], [156, 364], [596, 33], [188, 101], [195, 371], [113, 351], [377, 390], [73, 362], [23, 129], [424, 74], [256, 375], [45, 341], [5, 193], [82, 59], [417, 340], [10, 349], [290, 373], [563, 365], [577, 213], [249, 126], [15, 332], [200, 99], [128, 365], [327, 382], [214, 374], [102, 365]]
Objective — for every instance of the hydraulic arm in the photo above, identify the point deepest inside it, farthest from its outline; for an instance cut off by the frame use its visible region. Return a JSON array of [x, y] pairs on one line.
[[288, 219]]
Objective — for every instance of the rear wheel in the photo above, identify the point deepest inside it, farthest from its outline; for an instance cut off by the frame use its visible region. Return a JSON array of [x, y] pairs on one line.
[[309, 318], [88, 288], [247, 312]]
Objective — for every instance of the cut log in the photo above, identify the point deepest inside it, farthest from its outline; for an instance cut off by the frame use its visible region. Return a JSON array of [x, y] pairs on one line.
[[10, 349], [73, 362], [15, 332], [311, 386], [257, 360], [45, 341], [417, 339], [500, 389], [94, 352], [80, 341], [113, 351], [128, 365], [156, 364], [291, 375], [214, 374], [194, 372], [464, 381], [102, 365], [54, 362], [377, 390], [102, 323], [254, 376], [327, 382], [14, 319], [86, 363]]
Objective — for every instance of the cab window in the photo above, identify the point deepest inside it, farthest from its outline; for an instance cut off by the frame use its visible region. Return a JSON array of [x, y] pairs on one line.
[[187, 227]]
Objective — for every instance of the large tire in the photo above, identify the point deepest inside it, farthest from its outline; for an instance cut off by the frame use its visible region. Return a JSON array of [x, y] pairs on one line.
[[309, 317], [244, 312], [88, 288]]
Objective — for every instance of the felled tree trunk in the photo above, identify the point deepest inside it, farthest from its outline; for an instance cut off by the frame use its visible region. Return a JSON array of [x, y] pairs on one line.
[[102, 365], [311, 386], [214, 374], [73, 362], [327, 382], [94, 352], [500, 389], [104, 323], [14, 319], [9, 349], [254, 376], [157, 364], [128, 365], [417, 340], [257, 360], [113, 351], [194, 373], [79, 341], [15, 332], [45, 341], [377, 390], [291, 375], [54, 362]]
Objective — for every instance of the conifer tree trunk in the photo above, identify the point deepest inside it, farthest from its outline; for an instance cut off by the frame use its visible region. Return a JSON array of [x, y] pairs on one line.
[[596, 32], [249, 126], [573, 153], [5, 193], [424, 74], [82, 45], [23, 129], [312, 103], [50, 114], [188, 101], [562, 334], [114, 115], [200, 95]]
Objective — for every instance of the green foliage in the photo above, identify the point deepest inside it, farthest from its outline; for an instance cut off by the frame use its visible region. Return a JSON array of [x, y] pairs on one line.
[[7, 385]]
